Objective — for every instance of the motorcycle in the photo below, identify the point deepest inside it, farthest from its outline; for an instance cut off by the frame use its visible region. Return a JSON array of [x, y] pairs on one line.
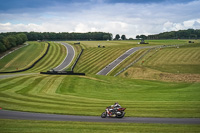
[[118, 113]]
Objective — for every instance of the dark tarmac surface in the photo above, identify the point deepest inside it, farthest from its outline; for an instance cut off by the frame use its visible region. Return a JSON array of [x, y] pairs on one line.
[[116, 62], [7, 114], [68, 59]]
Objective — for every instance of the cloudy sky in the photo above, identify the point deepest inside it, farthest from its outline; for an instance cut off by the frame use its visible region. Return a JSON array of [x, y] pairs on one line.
[[129, 17]]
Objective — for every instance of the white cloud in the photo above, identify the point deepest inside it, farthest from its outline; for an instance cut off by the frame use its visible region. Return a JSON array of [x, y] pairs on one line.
[[169, 26], [128, 19]]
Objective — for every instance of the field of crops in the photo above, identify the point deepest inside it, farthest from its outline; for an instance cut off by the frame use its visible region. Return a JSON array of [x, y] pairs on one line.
[[90, 95]]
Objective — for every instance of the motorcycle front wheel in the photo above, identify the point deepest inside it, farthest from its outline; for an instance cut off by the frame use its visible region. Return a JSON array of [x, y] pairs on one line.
[[121, 116], [103, 115]]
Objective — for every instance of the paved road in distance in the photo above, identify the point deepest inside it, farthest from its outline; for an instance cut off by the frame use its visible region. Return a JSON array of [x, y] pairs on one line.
[[116, 62], [6, 114], [68, 59]]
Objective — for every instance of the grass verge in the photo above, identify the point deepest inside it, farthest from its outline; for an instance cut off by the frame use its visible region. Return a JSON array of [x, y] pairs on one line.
[[24, 126]]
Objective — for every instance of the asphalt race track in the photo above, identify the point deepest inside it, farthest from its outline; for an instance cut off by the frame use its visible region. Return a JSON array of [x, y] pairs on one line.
[[116, 62], [6, 114], [68, 59]]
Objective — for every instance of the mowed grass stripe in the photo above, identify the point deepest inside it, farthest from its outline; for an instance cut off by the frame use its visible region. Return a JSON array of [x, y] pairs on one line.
[[41, 54], [22, 58], [102, 62], [175, 60], [44, 63], [95, 62], [175, 56], [9, 66], [127, 61], [67, 95], [32, 94], [33, 126], [94, 59], [54, 57], [12, 85], [59, 56], [91, 55]]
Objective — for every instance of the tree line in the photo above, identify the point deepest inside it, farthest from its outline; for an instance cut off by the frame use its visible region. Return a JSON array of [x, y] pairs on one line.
[[12, 39], [181, 34], [9, 40], [117, 37], [33, 36]]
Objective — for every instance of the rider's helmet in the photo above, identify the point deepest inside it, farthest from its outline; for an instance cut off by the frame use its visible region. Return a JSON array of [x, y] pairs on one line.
[[116, 104]]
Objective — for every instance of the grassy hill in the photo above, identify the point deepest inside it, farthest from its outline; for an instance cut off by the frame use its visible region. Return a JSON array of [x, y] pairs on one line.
[[94, 59], [26, 56], [182, 63], [54, 57], [23, 57], [89, 95], [76, 94]]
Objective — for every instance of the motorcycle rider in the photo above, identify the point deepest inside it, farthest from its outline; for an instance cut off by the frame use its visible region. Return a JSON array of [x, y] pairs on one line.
[[113, 108]]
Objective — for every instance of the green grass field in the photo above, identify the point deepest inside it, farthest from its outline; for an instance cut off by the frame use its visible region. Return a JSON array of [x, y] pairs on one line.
[[54, 57], [181, 62], [175, 60], [127, 43], [26, 56], [24, 126], [94, 59], [23, 57], [89, 95]]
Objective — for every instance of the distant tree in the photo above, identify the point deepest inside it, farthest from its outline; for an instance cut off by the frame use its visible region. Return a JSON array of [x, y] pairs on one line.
[[18, 40], [23, 37], [143, 36], [123, 37], [1, 38], [130, 38], [106, 37], [33, 36], [12, 40], [181, 34], [117, 37], [6, 43], [2, 47], [137, 37]]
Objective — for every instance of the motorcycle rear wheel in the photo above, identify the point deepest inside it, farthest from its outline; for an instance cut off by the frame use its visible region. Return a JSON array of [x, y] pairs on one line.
[[103, 115]]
